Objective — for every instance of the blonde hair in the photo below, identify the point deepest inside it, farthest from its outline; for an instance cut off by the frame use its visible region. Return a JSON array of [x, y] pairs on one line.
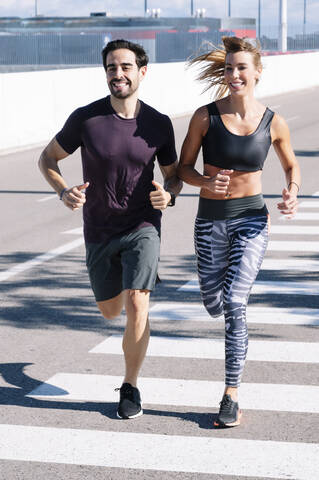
[[212, 73]]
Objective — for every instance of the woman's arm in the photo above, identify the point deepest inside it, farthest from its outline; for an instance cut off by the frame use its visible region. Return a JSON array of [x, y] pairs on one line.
[[197, 129], [281, 141]]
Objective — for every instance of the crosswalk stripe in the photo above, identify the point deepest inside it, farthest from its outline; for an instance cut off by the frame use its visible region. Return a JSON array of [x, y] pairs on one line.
[[268, 288], [191, 347], [180, 392], [301, 264], [303, 216], [295, 229], [174, 453], [311, 204], [196, 312], [293, 246]]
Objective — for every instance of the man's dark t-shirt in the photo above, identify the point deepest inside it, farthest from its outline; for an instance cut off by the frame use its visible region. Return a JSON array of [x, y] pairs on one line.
[[118, 158]]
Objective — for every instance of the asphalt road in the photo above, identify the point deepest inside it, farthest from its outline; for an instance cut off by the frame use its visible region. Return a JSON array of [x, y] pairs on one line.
[[67, 427]]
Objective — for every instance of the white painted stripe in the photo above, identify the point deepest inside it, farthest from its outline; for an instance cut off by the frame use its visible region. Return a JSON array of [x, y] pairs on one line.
[[293, 246], [303, 216], [311, 204], [170, 453], [300, 264], [74, 231], [190, 347], [316, 194], [269, 288], [45, 257], [180, 392], [51, 197], [295, 229], [197, 313], [290, 119], [273, 107]]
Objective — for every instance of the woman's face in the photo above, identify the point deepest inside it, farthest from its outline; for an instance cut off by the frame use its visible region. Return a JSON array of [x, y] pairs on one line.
[[241, 73]]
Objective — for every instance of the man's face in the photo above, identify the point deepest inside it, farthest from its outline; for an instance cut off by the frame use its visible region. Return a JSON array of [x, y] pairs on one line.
[[122, 73]]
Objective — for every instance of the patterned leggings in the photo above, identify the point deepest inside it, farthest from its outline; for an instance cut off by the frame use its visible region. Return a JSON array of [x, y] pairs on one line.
[[229, 255]]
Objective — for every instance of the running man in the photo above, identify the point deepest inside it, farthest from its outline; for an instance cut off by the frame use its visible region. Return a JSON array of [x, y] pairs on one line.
[[120, 136]]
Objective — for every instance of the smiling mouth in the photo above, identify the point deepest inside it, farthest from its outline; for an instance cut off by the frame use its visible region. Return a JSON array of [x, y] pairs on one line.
[[236, 84], [119, 84]]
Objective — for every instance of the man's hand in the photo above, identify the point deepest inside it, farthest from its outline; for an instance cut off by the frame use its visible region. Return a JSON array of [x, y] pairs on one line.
[[289, 204], [74, 198], [219, 183], [159, 198]]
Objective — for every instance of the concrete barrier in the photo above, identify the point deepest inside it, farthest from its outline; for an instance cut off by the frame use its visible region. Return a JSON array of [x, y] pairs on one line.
[[35, 105]]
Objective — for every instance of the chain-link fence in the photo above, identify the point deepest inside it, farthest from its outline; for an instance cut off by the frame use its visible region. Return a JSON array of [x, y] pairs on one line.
[[67, 49]]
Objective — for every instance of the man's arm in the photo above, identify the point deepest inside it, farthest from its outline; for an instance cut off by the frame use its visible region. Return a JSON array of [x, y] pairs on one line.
[[72, 197], [162, 196]]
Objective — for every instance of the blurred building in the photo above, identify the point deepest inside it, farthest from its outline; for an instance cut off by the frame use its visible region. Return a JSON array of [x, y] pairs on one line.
[[79, 40]]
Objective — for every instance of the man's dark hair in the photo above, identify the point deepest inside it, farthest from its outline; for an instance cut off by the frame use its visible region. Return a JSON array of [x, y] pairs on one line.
[[140, 54]]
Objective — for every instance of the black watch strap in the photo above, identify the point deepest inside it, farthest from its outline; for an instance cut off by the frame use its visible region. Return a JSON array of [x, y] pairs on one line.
[[172, 200]]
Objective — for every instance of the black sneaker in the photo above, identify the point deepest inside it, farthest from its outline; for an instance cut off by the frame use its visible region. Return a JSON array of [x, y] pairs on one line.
[[229, 413], [130, 402]]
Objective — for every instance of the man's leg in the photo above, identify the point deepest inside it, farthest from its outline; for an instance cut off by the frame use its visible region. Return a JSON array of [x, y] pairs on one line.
[[113, 307], [137, 332]]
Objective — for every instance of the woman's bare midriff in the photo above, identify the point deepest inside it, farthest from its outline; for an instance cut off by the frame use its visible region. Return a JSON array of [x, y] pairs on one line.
[[242, 184]]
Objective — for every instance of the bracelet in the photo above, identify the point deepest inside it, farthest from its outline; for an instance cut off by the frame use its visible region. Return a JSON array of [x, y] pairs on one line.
[[294, 184], [62, 193]]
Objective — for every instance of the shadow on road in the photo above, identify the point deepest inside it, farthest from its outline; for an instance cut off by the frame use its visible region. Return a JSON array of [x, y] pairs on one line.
[[58, 294]]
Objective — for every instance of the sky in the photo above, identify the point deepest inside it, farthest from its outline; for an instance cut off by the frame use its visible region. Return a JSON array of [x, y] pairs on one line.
[[169, 8]]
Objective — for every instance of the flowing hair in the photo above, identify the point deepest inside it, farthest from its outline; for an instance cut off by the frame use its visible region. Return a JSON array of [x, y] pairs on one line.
[[212, 72]]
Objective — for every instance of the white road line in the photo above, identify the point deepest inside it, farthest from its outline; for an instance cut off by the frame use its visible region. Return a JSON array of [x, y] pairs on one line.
[[274, 107], [74, 231], [180, 392], [45, 257], [316, 194], [269, 288], [299, 264], [273, 316], [303, 216], [170, 453], [190, 347], [46, 199], [311, 204], [295, 229], [290, 119], [292, 246]]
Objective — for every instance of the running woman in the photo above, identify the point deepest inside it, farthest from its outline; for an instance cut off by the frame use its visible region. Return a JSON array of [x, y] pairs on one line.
[[231, 227], [120, 139]]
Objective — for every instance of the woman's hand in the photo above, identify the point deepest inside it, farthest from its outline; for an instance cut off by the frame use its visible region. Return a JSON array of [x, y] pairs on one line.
[[219, 184], [289, 204]]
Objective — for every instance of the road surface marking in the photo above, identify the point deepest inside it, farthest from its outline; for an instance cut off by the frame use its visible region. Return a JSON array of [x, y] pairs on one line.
[[51, 197], [74, 231], [304, 216], [292, 246], [45, 257], [191, 347], [300, 264], [173, 453], [311, 204], [295, 229], [180, 392], [197, 313], [268, 288]]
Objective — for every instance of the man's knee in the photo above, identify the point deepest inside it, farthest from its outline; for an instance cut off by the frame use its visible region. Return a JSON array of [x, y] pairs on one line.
[[137, 303], [112, 308]]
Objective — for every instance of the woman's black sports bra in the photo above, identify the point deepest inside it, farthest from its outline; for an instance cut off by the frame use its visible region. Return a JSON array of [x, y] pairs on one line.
[[246, 153]]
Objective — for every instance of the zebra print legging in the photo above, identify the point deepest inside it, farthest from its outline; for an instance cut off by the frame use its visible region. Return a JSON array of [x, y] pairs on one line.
[[229, 255]]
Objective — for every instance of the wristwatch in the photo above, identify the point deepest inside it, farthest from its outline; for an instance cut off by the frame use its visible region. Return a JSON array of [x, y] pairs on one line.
[[172, 200]]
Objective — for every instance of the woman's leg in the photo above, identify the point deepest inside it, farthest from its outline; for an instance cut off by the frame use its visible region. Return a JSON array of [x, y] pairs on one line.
[[248, 242], [211, 247]]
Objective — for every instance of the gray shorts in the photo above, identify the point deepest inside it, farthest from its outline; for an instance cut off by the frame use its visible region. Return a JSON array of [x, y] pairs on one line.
[[129, 261]]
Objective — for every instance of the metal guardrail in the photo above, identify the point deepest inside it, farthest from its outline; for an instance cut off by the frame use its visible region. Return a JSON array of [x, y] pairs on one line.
[[67, 49]]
